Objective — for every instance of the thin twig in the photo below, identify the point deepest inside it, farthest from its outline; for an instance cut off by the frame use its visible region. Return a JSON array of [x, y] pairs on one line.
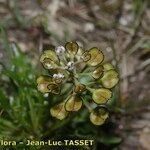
[[135, 29], [139, 69], [136, 46]]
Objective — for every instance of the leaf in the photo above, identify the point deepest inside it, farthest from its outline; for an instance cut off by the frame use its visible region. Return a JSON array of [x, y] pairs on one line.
[[5, 40], [4, 103], [110, 139], [7, 124], [98, 72], [85, 79], [33, 114]]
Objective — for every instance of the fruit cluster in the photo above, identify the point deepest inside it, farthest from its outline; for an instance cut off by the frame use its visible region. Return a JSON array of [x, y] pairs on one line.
[[81, 78]]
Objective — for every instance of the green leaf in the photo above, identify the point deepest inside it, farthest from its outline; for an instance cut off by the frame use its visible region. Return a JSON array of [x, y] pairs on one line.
[[4, 103], [85, 79], [110, 139], [7, 124]]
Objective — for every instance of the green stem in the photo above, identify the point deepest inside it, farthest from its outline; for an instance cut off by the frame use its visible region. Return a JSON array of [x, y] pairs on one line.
[[90, 83], [84, 73], [90, 89], [56, 126], [87, 105]]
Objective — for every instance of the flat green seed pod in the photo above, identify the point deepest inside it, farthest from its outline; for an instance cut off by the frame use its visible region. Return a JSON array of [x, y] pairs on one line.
[[108, 66], [80, 51], [79, 88], [42, 87], [73, 104], [72, 47], [59, 111], [98, 72], [43, 79], [110, 79], [49, 59], [57, 80], [99, 116], [43, 82], [86, 56], [101, 95], [97, 57], [49, 64], [53, 88]]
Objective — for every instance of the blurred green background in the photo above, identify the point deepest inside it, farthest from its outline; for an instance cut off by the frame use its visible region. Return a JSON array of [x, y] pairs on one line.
[[119, 28]]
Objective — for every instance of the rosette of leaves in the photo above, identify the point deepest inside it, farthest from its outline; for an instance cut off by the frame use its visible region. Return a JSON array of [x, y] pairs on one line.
[[75, 73]]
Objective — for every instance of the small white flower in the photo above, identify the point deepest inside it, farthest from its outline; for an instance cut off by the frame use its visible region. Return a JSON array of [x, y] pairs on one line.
[[60, 50], [55, 75], [70, 65], [59, 75]]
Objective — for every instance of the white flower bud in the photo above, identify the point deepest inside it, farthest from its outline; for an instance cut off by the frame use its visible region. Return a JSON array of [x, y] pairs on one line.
[[70, 65], [59, 75], [60, 50], [54, 75]]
